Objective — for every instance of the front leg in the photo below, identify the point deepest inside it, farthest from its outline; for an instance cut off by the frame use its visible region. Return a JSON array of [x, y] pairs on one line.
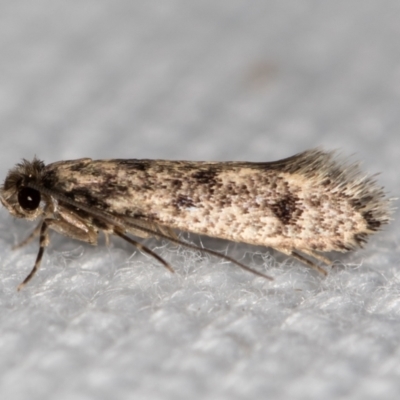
[[84, 233], [44, 240], [28, 239], [79, 231]]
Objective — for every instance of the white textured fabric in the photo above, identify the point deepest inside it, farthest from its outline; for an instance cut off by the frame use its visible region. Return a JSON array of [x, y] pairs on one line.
[[211, 80]]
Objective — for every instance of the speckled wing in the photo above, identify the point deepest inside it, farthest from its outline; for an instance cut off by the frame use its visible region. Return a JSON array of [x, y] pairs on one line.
[[308, 201]]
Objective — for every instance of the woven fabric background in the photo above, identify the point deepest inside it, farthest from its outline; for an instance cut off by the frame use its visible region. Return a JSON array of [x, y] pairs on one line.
[[199, 80]]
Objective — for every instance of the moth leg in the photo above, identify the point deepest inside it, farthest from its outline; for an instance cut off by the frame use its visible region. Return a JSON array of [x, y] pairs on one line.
[[30, 237], [143, 248], [173, 239], [317, 256], [107, 238], [169, 232], [88, 235], [165, 231], [308, 262], [44, 241], [73, 226]]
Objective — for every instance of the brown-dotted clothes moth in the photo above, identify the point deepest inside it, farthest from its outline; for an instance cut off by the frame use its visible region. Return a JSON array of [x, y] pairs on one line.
[[303, 205]]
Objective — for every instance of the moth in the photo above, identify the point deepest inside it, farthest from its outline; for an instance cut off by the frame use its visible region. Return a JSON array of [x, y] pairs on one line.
[[302, 206]]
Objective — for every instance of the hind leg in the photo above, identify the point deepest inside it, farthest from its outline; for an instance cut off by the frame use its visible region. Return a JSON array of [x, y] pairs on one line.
[[304, 260]]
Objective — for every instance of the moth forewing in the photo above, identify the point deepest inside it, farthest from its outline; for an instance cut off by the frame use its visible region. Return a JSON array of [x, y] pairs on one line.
[[301, 206]]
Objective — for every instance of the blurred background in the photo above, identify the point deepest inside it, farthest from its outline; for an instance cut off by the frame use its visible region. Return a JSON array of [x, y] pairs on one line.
[[202, 80]]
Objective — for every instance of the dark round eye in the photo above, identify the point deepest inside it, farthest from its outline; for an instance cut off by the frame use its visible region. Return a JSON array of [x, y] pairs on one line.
[[28, 198]]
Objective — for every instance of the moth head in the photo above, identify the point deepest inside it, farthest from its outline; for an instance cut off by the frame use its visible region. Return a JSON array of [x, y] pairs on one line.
[[20, 200]]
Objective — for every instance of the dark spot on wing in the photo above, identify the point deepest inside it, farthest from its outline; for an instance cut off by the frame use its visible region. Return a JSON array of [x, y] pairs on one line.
[[86, 197], [206, 176], [176, 184], [138, 165], [97, 172], [340, 246], [373, 223], [224, 200], [360, 238], [359, 203], [326, 182], [121, 188], [286, 209], [76, 167], [183, 202], [138, 214]]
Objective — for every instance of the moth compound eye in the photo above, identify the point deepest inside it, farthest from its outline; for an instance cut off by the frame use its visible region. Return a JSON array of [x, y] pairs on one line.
[[28, 198]]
